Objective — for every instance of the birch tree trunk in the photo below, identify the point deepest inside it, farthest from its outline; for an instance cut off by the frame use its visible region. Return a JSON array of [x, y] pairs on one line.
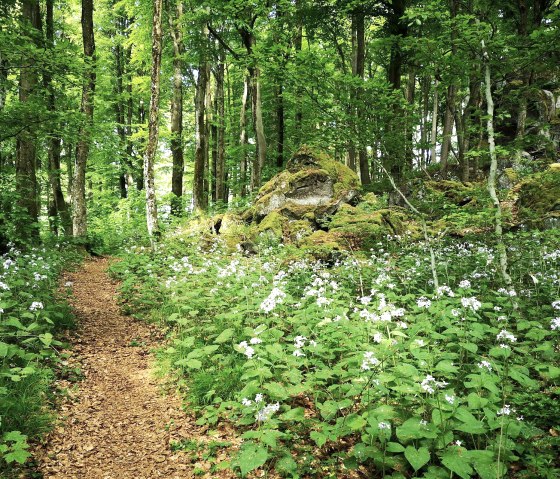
[[79, 218], [153, 124], [493, 170]]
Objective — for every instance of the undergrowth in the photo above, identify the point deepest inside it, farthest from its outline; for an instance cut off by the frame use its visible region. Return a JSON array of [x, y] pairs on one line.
[[32, 312], [359, 363]]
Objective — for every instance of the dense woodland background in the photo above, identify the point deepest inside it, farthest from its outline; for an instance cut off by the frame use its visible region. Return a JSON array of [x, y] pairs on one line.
[[396, 84]]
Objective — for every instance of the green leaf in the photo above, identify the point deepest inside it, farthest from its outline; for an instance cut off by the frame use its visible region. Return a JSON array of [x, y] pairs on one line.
[[225, 335], [417, 457], [319, 438], [456, 461], [17, 455], [355, 422], [394, 447], [194, 364], [287, 465], [3, 350], [296, 414], [276, 390], [251, 457]]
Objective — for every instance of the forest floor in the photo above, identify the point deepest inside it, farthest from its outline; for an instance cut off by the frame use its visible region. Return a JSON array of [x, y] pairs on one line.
[[117, 422]]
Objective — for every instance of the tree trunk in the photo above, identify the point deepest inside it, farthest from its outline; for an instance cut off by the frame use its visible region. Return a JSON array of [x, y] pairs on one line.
[[433, 135], [153, 124], [221, 129], [201, 147], [298, 43], [248, 39], [79, 218], [26, 154], [493, 170], [409, 124], [119, 113], [447, 129], [243, 134], [177, 108], [260, 157], [60, 207]]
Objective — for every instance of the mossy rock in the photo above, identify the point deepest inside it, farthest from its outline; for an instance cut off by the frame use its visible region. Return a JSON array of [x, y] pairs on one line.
[[312, 183], [272, 225], [363, 229], [454, 191], [539, 194]]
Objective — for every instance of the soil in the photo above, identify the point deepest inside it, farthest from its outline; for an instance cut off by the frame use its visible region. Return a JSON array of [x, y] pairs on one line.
[[117, 423]]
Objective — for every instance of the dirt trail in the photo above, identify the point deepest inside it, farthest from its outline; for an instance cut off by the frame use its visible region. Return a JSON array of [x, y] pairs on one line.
[[118, 425]]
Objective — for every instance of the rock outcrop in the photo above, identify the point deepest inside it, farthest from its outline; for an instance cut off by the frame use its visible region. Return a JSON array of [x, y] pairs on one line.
[[312, 187]]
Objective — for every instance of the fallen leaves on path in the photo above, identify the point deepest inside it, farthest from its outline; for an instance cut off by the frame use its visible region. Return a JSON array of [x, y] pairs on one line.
[[118, 424]]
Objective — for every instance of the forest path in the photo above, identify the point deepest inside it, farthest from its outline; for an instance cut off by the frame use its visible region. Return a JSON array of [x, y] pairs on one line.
[[118, 424]]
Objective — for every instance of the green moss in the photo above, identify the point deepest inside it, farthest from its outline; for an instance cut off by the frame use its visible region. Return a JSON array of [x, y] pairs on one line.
[[363, 229], [272, 224], [538, 195]]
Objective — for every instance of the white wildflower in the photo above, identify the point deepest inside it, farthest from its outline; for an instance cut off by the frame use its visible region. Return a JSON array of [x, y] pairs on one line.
[[36, 305], [503, 334], [471, 302], [423, 302], [555, 324], [485, 364], [369, 361]]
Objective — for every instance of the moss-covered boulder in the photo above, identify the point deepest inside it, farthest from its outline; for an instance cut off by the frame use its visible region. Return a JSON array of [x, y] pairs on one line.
[[312, 186], [362, 228], [538, 198]]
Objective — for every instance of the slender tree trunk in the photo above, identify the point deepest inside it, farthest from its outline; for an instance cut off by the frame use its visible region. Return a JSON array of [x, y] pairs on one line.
[[221, 129], [433, 136], [175, 15], [447, 129], [260, 157], [153, 124], [424, 125], [298, 43], [214, 137], [140, 167], [493, 170], [207, 132], [26, 154], [120, 113], [409, 124], [280, 127], [201, 139], [243, 134], [79, 218], [248, 39], [398, 30], [60, 207]]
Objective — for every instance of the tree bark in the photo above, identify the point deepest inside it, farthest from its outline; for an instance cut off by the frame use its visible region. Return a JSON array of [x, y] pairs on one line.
[[493, 169], [201, 139], [248, 39], [153, 124], [26, 154], [243, 134], [177, 108], [60, 207], [433, 135], [221, 128], [298, 43], [79, 218]]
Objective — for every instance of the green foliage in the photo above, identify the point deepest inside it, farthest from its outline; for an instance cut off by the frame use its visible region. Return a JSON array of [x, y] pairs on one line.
[[31, 313], [362, 356]]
